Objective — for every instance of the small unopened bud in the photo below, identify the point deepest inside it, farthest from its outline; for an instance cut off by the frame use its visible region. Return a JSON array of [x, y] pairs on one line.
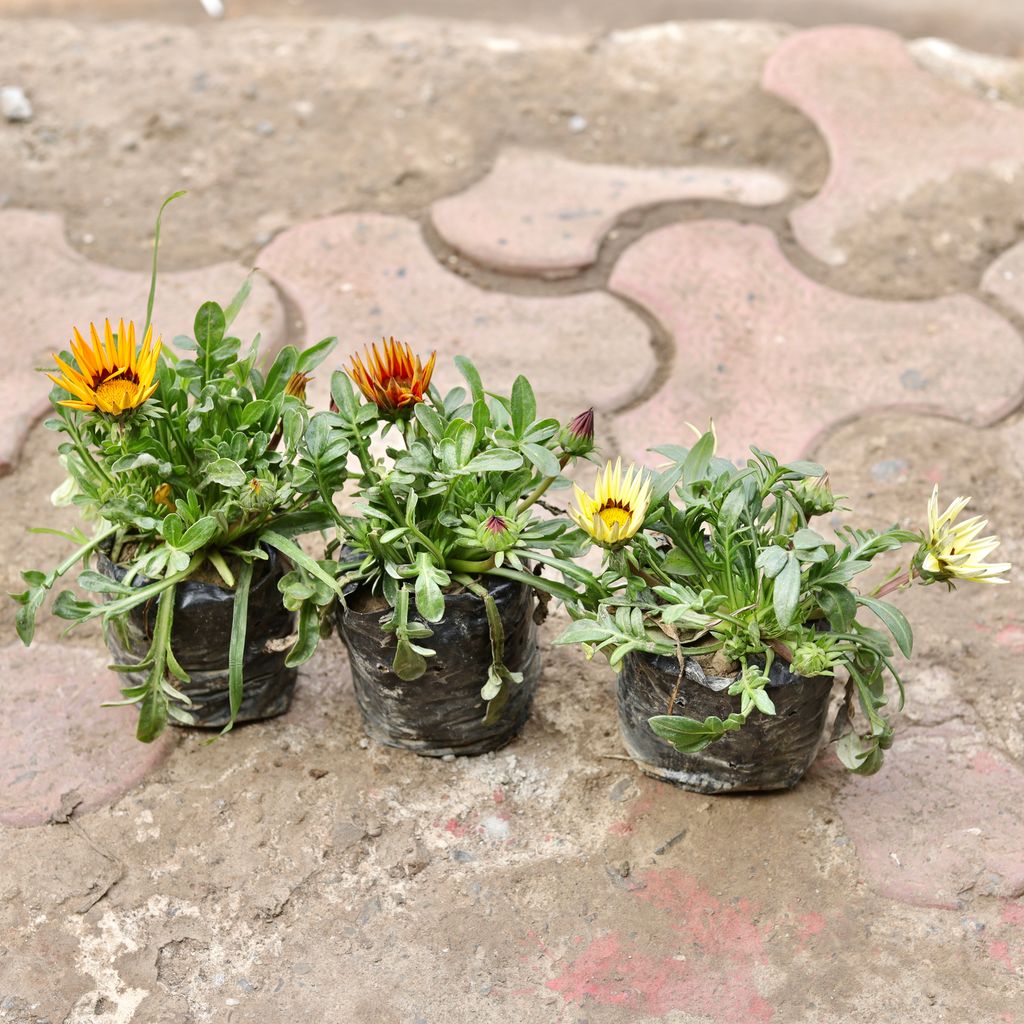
[[162, 496], [577, 437], [296, 386], [261, 493], [815, 496], [496, 533]]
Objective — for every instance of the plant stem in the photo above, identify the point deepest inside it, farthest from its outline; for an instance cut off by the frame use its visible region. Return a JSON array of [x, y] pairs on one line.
[[541, 488], [896, 583]]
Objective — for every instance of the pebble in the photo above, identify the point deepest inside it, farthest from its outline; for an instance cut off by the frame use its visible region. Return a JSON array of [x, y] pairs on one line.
[[15, 104], [620, 790], [577, 123]]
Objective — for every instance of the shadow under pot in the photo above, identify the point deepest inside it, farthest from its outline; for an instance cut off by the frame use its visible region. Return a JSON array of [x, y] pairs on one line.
[[201, 637], [769, 752], [442, 711]]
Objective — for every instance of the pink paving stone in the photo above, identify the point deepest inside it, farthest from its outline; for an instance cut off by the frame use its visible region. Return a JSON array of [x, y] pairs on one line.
[[538, 213], [364, 276], [48, 287], [890, 127], [776, 358], [943, 818], [1005, 278], [55, 738]]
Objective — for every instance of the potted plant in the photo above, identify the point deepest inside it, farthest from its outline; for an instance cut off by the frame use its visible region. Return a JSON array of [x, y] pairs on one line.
[[727, 616], [187, 469], [440, 562]]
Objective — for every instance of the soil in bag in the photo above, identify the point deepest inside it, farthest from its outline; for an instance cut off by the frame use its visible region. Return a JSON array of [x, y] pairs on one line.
[[200, 638], [442, 712], [768, 752]]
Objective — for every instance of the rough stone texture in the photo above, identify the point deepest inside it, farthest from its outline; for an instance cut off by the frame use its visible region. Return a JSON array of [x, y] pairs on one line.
[[1005, 278], [994, 78], [57, 743], [50, 287], [295, 871], [776, 358], [962, 832], [537, 213], [891, 129], [366, 276]]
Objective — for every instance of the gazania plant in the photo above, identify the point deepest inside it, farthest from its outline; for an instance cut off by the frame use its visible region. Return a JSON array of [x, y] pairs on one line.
[[187, 470], [446, 499], [719, 592]]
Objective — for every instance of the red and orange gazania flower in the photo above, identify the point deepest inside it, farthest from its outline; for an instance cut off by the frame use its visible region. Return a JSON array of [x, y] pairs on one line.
[[112, 375], [395, 379]]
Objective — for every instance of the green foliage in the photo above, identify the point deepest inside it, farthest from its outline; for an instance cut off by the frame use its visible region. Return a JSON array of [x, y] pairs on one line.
[[217, 464], [453, 497], [728, 561]]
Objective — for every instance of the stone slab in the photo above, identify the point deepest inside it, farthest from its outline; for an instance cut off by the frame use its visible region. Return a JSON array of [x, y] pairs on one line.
[[541, 214]]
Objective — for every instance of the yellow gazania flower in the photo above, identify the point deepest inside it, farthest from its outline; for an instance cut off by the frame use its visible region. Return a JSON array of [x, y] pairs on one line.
[[618, 507], [112, 375], [394, 379], [955, 551]]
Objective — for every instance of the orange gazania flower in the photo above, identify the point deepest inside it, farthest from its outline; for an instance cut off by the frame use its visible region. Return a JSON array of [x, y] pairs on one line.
[[111, 375], [395, 380]]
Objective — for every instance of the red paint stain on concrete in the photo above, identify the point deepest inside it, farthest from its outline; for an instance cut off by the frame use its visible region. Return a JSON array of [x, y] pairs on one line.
[[498, 796], [809, 925], [1012, 637], [610, 973], [457, 828], [708, 973], [716, 927], [1000, 952], [985, 764], [1013, 913], [620, 828]]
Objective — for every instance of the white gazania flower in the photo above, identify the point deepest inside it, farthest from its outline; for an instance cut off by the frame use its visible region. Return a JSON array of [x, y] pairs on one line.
[[955, 551]]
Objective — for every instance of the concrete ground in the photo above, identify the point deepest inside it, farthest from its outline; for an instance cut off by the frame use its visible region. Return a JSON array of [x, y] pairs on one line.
[[813, 236]]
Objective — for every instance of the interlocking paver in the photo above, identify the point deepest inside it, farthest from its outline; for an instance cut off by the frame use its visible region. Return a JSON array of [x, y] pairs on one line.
[[49, 287], [364, 276], [539, 213], [1005, 278], [890, 126], [56, 740], [775, 358], [961, 833]]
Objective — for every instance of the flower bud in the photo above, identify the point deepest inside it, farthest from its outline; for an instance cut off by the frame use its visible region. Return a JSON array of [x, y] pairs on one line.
[[815, 496], [577, 437], [812, 659], [497, 533], [162, 496], [259, 494], [296, 386]]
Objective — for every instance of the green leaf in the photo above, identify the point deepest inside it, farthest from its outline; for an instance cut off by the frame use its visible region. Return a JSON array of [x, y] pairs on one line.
[[839, 606], [226, 472], [234, 307], [253, 412], [309, 636], [688, 735], [542, 458], [583, 631], [786, 594], [429, 598], [198, 535], [678, 563], [524, 406], [895, 621], [312, 357], [156, 248], [494, 461], [807, 539], [408, 664], [698, 459], [429, 420], [772, 561], [236, 649], [209, 326], [472, 377]]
